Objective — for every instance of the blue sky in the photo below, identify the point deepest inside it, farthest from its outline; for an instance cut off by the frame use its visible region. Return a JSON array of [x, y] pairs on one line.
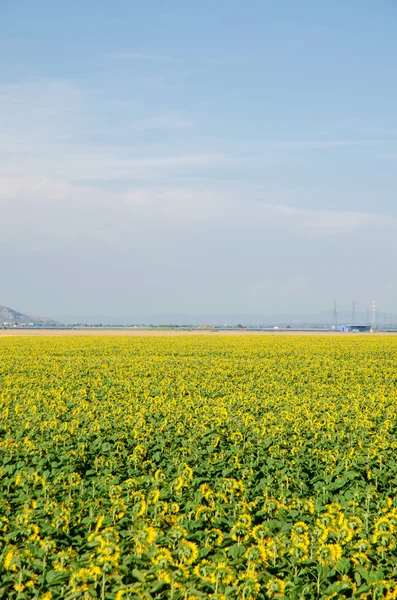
[[197, 157]]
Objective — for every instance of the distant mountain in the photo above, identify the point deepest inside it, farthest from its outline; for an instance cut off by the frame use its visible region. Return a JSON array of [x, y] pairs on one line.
[[321, 318], [8, 315]]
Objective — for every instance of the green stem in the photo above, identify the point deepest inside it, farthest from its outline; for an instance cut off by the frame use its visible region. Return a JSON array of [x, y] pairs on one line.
[[103, 586]]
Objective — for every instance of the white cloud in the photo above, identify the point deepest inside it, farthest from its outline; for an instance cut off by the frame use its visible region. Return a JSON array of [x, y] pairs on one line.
[[309, 145], [50, 131], [60, 204], [188, 205], [159, 122], [46, 165], [211, 158], [144, 56], [327, 222]]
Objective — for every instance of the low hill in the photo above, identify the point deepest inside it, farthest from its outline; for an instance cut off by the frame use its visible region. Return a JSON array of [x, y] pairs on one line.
[[8, 315]]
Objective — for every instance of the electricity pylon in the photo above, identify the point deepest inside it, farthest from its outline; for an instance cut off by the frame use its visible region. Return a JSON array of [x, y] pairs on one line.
[[354, 313], [335, 316]]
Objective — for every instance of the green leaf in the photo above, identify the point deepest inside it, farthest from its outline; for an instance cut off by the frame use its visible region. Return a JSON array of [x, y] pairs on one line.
[[138, 575]]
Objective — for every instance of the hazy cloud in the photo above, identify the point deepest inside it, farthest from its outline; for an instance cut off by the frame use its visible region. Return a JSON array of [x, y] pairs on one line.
[[99, 186], [325, 222], [313, 144], [161, 58]]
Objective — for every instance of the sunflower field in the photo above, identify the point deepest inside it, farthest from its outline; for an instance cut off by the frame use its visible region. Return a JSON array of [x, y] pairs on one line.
[[252, 467]]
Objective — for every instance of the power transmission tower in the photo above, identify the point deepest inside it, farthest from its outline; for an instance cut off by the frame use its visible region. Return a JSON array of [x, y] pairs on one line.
[[335, 316], [354, 313], [374, 315]]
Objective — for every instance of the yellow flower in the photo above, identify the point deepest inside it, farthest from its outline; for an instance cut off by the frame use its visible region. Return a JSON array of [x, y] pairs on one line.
[[188, 551], [151, 535], [384, 525], [214, 535], [206, 571], [162, 556], [153, 497], [8, 559], [163, 576], [100, 522], [299, 529], [249, 587], [275, 587], [180, 483], [329, 554], [224, 572], [260, 532]]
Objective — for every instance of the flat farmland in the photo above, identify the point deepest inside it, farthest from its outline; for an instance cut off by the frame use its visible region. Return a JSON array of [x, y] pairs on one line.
[[198, 466], [174, 333]]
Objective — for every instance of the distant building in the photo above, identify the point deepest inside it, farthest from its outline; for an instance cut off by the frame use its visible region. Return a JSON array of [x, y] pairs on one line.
[[355, 328]]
